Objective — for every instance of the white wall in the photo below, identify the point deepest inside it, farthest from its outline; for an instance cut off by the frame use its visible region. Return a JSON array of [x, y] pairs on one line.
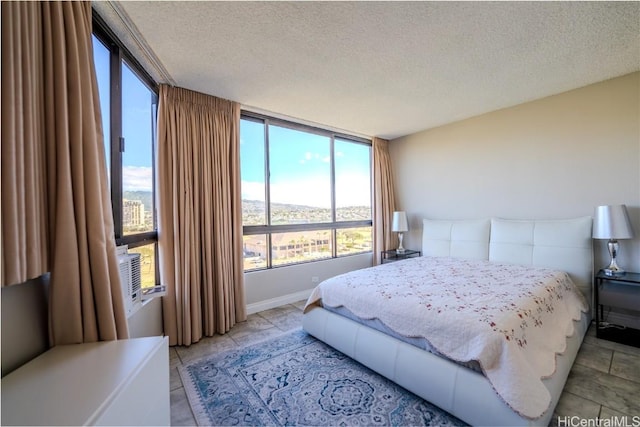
[[147, 321], [270, 288], [556, 157], [25, 327]]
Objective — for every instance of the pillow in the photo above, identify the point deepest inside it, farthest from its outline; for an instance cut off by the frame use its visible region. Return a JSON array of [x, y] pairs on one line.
[[467, 239]]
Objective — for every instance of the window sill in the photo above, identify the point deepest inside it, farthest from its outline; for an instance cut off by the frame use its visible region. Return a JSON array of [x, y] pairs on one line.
[[152, 292]]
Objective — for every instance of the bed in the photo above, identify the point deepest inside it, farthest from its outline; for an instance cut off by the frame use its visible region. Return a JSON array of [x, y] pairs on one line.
[[559, 251]]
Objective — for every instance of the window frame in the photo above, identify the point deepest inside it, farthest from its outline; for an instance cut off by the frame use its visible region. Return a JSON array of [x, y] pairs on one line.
[[120, 55], [334, 225]]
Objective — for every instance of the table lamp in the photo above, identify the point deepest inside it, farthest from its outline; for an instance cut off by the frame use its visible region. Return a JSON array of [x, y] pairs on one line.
[[612, 222], [399, 226]]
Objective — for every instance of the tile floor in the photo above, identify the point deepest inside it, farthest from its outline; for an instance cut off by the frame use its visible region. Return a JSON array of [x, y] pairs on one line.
[[604, 381]]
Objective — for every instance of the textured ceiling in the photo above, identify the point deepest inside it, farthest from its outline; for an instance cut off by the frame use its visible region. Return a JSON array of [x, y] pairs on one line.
[[380, 68]]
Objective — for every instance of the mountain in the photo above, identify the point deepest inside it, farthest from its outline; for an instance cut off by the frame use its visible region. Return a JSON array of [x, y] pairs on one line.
[[253, 212]]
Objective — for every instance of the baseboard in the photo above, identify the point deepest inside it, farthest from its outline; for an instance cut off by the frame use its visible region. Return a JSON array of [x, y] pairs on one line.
[[278, 301]]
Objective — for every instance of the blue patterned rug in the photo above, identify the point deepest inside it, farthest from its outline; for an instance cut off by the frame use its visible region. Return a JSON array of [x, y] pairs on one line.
[[296, 380]]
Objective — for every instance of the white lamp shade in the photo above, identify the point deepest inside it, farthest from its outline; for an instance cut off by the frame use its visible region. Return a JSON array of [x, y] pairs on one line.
[[612, 222], [399, 222]]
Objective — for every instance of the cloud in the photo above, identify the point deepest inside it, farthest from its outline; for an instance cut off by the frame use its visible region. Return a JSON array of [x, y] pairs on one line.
[[308, 156], [305, 191], [353, 190], [137, 178], [252, 190]]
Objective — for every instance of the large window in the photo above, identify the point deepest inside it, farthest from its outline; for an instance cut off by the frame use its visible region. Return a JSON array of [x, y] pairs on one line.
[[306, 193], [128, 103]]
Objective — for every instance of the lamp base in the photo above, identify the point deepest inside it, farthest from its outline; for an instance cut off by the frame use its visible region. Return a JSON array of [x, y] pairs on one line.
[[613, 269], [400, 249]]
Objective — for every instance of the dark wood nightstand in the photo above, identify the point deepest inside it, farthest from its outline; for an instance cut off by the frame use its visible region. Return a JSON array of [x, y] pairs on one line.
[[393, 255], [617, 291]]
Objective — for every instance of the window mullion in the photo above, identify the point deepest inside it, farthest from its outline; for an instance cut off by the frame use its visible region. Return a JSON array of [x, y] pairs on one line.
[[334, 247], [332, 179], [154, 156], [116, 134], [267, 190], [268, 251], [267, 172]]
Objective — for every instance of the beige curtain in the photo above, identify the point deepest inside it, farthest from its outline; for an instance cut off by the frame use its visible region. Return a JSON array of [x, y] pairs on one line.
[[384, 198], [24, 213], [53, 135], [200, 215]]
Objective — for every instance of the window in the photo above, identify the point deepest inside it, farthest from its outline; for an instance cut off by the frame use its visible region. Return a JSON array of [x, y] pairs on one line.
[[306, 193], [128, 103]]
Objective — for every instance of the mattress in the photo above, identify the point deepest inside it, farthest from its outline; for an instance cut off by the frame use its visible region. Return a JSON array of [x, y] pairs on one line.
[[419, 342]]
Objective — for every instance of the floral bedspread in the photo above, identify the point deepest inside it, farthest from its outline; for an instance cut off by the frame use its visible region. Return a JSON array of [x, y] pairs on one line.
[[511, 319]]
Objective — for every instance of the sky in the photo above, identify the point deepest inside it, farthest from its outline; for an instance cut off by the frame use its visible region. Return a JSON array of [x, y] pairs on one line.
[[301, 167], [136, 122], [137, 129]]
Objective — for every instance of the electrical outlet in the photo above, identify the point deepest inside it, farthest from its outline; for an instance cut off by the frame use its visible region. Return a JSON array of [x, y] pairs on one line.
[[315, 279]]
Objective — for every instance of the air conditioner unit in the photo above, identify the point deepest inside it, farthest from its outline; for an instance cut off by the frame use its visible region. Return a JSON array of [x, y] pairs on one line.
[[129, 265]]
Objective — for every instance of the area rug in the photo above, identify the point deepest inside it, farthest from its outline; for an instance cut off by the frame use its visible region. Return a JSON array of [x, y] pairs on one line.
[[296, 380]]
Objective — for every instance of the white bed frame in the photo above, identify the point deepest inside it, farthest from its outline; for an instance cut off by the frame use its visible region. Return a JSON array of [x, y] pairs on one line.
[[467, 394]]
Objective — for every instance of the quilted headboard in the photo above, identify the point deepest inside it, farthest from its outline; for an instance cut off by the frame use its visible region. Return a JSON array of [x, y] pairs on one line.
[[560, 244], [564, 244], [458, 239]]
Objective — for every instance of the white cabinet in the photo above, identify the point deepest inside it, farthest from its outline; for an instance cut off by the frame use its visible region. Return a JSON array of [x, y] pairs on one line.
[[122, 382]]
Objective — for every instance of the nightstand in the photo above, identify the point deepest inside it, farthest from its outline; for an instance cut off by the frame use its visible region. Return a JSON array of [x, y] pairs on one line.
[[622, 292], [392, 255]]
